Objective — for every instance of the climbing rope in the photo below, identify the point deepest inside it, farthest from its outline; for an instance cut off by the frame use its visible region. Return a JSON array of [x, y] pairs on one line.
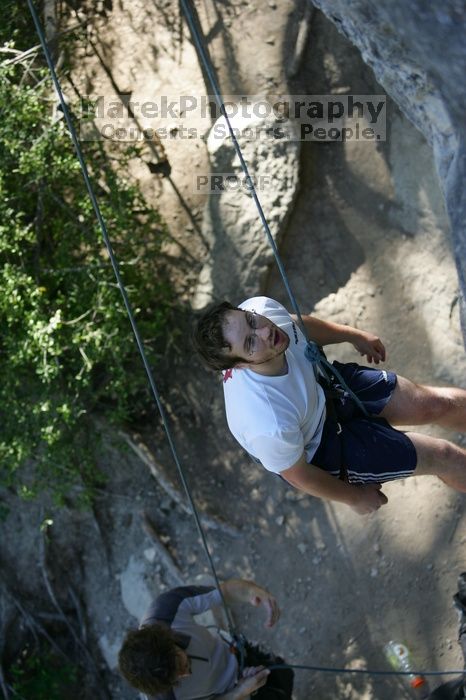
[[239, 638], [364, 671], [127, 303], [312, 352]]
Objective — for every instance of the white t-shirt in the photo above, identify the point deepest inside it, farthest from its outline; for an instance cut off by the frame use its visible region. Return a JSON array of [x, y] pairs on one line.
[[275, 419]]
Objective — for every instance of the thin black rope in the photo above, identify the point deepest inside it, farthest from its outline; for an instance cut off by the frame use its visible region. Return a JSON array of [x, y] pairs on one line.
[[126, 301], [313, 352], [365, 671]]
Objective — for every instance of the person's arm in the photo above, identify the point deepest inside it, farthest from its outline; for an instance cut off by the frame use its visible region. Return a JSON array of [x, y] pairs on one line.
[[237, 590], [317, 482], [329, 333]]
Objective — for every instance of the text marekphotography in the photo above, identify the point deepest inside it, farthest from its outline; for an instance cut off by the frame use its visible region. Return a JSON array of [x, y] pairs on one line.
[[282, 118]]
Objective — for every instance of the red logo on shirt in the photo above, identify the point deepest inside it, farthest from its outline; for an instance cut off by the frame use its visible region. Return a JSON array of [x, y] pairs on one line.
[[228, 375]]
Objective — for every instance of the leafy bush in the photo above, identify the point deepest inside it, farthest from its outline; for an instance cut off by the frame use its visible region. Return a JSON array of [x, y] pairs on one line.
[[66, 346], [43, 678]]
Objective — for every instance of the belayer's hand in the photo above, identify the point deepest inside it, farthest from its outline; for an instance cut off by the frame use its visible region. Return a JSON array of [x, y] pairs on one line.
[[253, 678], [260, 597], [238, 590]]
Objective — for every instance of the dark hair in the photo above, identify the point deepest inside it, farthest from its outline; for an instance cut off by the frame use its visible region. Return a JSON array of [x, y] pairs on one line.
[[208, 338], [148, 659]]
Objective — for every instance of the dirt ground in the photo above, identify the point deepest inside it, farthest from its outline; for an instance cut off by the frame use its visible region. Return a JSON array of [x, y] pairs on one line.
[[367, 244]]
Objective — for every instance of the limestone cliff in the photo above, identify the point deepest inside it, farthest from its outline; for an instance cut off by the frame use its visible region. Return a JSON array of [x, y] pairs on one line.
[[417, 51]]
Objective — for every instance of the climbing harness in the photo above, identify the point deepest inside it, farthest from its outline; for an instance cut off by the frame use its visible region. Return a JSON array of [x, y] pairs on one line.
[[313, 352]]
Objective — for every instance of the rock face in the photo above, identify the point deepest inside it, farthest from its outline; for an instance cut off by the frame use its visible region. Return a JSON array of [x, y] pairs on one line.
[[417, 51], [240, 253]]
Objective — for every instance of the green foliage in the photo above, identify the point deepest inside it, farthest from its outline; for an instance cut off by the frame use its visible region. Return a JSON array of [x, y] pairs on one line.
[[16, 25], [67, 350], [43, 678]]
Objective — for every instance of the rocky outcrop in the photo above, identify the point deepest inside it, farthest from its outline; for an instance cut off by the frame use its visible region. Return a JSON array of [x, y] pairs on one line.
[[417, 51], [240, 254]]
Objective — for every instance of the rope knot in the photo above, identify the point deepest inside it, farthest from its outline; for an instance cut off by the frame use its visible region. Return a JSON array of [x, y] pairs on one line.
[[312, 352]]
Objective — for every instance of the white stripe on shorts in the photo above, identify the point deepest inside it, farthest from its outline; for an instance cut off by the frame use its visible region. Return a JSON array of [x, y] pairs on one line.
[[371, 477]]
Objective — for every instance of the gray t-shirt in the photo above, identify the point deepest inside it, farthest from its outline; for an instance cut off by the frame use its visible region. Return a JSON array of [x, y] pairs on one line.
[[214, 667]]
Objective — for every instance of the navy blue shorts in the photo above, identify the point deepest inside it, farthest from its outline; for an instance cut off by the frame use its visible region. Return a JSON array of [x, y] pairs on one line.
[[365, 450]]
